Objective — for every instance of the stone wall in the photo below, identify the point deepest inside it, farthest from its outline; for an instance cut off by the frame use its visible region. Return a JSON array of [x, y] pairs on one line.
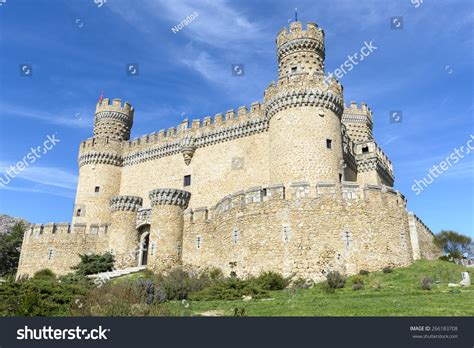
[[57, 246], [422, 239], [302, 230]]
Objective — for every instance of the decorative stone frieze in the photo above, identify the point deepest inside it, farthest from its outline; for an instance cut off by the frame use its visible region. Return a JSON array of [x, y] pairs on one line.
[[170, 196], [125, 203], [304, 97], [100, 158]]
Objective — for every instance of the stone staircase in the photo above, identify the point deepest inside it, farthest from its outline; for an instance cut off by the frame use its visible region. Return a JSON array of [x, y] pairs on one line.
[[117, 273]]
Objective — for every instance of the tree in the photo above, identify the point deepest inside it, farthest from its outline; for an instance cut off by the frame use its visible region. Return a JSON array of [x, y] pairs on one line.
[[454, 244], [10, 246]]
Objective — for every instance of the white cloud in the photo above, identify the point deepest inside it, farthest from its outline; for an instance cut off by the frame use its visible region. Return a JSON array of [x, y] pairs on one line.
[[46, 176]]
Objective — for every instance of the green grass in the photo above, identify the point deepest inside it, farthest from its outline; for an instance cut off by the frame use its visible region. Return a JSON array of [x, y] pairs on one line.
[[400, 295]]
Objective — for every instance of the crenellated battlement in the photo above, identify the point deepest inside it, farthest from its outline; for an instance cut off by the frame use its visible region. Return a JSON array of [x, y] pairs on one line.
[[114, 105], [353, 109], [296, 193], [63, 230], [296, 32], [113, 120], [415, 217], [197, 128]]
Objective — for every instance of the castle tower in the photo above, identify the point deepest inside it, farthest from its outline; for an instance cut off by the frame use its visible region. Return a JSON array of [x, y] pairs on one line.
[[300, 51], [113, 121], [304, 111], [167, 222], [358, 122], [100, 163], [123, 236]]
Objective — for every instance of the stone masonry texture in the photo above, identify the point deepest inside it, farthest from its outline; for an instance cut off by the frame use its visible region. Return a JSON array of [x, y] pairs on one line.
[[295, 183]]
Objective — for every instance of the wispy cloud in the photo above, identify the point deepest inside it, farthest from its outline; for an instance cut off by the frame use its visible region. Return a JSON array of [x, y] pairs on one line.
[[47, 176], [67, 118]]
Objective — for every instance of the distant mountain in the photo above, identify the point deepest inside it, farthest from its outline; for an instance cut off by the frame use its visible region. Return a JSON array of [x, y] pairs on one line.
[[7, 222]]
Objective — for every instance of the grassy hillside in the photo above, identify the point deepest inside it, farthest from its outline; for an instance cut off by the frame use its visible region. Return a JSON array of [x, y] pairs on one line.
[[393, 294]]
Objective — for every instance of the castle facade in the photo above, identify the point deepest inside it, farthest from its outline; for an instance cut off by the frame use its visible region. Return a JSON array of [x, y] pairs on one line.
[[296, 184]]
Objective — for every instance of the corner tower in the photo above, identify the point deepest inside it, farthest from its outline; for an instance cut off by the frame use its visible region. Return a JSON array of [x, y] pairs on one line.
[[100, 164], [304, 110]]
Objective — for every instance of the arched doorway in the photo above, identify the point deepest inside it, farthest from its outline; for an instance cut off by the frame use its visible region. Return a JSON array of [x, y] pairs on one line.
[[144, 233]]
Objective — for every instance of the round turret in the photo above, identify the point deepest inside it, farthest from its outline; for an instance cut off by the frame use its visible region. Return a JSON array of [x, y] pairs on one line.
[[304, 111], [113, 121], [300, 51]]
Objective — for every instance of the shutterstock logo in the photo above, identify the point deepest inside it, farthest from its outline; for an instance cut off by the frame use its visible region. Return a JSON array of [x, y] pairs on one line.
[[48, 333]]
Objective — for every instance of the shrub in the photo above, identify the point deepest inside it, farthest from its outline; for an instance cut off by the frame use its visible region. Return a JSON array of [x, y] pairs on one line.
[[445, 258], [302, 283], [94, 263], [387, 270], [363, 272], [328, 289], [229, 289], [178, 284], [357, 286], [45, 273], [216, 274], [126, 298], [42, 295], [239, 312], [376, 284], [335, 280], [271, 281], [426, 283], [357, 280]]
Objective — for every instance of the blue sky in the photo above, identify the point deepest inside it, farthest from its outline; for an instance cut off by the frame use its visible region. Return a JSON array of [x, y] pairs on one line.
[[76, 49]]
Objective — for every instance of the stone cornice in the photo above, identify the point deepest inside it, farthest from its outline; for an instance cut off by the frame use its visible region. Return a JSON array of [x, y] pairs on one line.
[[100, 158], [170, 196], [304, 97], [301, 44], [125, 203]]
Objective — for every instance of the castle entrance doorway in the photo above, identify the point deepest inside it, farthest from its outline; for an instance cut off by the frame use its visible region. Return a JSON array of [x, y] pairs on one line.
[[144, 233]]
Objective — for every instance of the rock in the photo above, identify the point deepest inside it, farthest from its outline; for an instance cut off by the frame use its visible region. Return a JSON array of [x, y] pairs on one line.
[[454, 285], [7, 222], [246, 298], [466, 279]]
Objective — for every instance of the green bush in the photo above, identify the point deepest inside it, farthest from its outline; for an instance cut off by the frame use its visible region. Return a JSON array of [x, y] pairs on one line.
[[125, 298], [178, 284], [271, 281], [387, 270], [45, 273], [94, 263], [42, 295], [335, 280], [426, 283], [363, 272], [445, 258], [229, 289], [302, 283], [357, 286], [357, 280]]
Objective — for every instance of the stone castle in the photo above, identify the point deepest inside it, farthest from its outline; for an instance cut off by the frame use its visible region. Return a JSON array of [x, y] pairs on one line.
[[297, 185]]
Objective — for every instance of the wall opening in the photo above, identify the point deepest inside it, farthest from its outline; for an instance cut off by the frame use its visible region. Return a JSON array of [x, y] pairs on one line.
[[187, 180]]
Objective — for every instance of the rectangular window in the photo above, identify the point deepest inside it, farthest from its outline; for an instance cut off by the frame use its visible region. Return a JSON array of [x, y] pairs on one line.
[[78, 213], [50, 253], [293, 69], [97, 189], [329, 143], [187, 180], [365, 149]]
